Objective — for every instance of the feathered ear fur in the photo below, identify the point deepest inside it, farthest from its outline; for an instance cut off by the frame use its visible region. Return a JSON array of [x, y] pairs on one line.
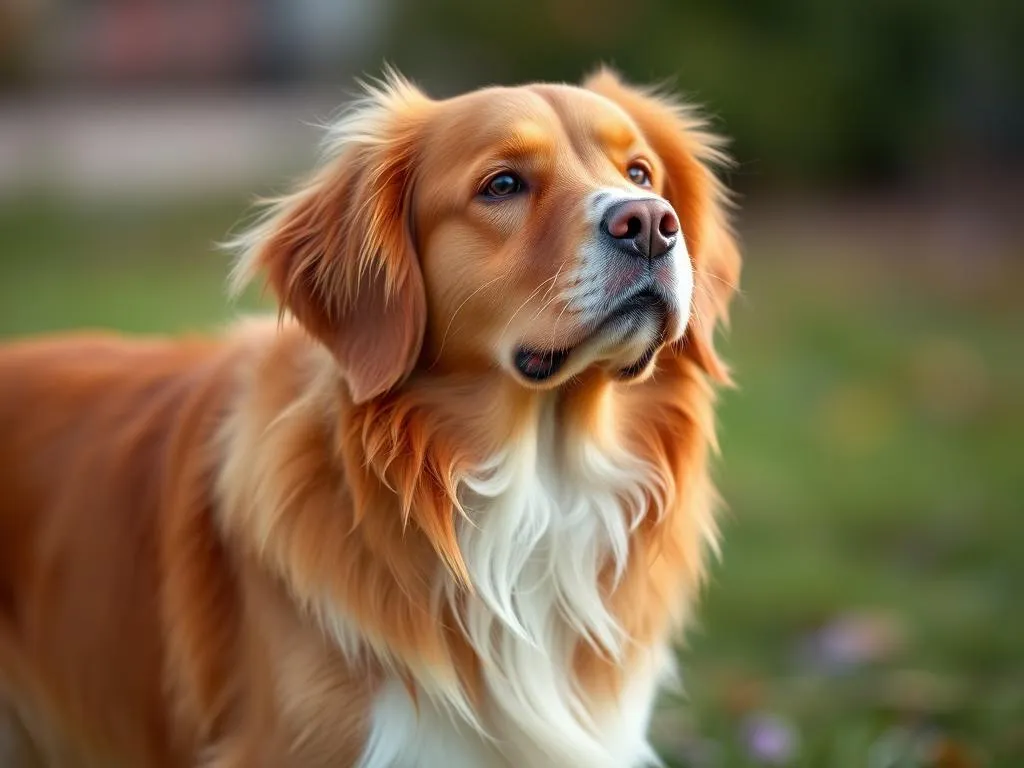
[[338, 251], [689, 153]]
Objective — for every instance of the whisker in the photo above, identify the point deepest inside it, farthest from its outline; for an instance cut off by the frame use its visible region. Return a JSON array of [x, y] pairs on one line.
[[526, 301], [705, 291], [554, 328], [700, 322], [709, 292], [554, 281], [550, 301], [455, 314], [544, 306], [553, 298], [719, 278]]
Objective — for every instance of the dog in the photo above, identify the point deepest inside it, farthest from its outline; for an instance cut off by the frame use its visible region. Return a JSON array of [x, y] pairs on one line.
[[450, 508]]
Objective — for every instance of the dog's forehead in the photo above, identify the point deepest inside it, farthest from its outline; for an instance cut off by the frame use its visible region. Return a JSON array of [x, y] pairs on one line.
[[585, 112], [553, 111]]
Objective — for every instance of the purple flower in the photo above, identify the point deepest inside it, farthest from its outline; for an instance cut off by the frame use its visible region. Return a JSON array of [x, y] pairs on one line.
[[851, 641], [769, 739]]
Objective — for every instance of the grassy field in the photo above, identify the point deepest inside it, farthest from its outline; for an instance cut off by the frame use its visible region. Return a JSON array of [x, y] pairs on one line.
[[869, 608]]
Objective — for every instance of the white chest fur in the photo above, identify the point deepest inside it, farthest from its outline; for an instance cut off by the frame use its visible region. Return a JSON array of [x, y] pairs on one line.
[[542, 522]]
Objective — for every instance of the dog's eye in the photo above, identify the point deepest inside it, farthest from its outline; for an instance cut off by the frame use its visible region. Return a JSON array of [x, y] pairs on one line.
[[503, 184], [639, 175]]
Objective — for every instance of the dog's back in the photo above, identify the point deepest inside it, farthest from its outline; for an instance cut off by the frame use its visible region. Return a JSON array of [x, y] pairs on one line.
[[90, 428]]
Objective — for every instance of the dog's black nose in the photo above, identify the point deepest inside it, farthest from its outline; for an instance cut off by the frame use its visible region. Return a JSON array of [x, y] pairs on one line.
[[648, 227]]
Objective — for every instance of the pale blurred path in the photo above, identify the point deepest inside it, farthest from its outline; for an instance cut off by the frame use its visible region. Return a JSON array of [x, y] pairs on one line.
[[163, 146]]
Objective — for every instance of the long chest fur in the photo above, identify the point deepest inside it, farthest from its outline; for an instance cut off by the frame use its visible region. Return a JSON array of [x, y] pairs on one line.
[[545, 536], [584, 547]]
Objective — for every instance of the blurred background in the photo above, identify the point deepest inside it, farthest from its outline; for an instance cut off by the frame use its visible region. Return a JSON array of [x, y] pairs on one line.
[[868, 610]]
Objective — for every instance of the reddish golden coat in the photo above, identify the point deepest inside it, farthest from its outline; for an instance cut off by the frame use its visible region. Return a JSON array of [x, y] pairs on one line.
[[177, 518]]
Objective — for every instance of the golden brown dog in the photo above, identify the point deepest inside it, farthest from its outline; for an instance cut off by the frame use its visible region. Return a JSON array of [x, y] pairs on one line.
[[449, 511]]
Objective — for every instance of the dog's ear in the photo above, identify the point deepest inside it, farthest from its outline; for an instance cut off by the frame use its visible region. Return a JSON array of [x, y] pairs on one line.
[[338, 251], [689, 153]]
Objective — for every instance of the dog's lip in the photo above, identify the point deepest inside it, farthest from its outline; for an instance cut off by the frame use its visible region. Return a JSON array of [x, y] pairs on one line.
[[646, 298], [541, 364], [634, 370]]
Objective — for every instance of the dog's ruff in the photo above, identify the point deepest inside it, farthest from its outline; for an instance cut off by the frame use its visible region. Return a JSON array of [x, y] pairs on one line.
[[540, 524]]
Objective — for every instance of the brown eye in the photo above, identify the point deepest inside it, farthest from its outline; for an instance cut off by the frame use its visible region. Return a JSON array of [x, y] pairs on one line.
[[639, 175], [503, 184]]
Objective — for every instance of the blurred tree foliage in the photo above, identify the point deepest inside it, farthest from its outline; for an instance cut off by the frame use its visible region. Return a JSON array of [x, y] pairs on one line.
[[842, 91]]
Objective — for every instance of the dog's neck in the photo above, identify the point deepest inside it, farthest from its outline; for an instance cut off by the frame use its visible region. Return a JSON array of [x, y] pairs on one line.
[[516, 556], [557, 502], [546, 536]]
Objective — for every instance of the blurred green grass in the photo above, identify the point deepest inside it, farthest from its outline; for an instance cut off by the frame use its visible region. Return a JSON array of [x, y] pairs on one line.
[[869, 597]]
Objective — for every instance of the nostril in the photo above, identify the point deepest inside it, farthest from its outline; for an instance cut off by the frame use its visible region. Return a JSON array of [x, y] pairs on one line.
[[669, 225], [633, 227], [625, 227]]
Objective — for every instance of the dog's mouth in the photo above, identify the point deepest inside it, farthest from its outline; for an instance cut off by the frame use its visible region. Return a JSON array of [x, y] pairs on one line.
[[626, 318], [538, 365], [634, 370]]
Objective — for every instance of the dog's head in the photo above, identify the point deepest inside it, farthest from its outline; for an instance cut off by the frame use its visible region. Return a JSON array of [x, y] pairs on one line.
[[542, 229]]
